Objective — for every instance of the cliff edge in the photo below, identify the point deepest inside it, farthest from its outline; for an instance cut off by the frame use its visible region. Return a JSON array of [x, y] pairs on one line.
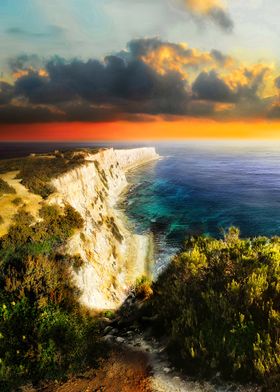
[[113, 257]]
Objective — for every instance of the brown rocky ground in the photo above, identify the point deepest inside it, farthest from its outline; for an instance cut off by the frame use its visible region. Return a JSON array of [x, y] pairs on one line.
[[124, 371]]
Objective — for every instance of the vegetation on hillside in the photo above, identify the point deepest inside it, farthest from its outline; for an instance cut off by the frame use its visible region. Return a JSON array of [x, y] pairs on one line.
[[17, 201], [219, 302], [5, 188], [37, 171], [43, 331]]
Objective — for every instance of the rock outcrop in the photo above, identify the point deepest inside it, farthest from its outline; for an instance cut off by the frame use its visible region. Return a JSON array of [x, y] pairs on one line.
[[113, 257]]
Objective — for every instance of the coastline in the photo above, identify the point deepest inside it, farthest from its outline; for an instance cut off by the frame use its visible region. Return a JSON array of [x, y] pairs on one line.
[[114, 255], [142, 244]]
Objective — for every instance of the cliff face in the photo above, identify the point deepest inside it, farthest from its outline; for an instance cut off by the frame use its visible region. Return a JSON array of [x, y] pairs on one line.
[[113, 256]]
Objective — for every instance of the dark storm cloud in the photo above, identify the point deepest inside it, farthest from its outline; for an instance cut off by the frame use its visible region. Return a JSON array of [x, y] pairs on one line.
[[208, 86], [150, 78], [131, 86], [41, 90], [274, 113], [13, 114], [6, 93]]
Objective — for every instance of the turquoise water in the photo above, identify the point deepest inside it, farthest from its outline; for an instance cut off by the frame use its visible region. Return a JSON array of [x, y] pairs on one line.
[[196, 188], [203, 188]]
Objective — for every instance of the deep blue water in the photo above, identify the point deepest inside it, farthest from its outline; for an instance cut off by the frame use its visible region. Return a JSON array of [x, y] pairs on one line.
[[198, 187], [205, 187]]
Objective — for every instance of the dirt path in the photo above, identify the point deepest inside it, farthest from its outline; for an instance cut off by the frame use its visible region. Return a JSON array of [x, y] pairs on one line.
[[138, 363], [124, 371]]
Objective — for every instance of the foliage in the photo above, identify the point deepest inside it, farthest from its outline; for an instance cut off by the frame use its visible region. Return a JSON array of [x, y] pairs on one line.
[[219, 301], [5, 188], [143, 289], [1, 220], [36, 172], [17, 201], [110, 314], [43, 331]]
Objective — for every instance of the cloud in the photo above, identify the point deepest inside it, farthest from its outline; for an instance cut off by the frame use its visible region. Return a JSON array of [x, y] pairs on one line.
[[221, 58], [213, 10], [15, 114], [166, 56], [209, 86], [49, 32], [243, 83], [150, 77], [6, 93], [113, 81], [25, 62], [180, 57]]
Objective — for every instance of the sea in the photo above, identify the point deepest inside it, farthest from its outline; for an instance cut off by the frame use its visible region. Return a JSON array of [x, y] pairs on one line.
[[196, 188]]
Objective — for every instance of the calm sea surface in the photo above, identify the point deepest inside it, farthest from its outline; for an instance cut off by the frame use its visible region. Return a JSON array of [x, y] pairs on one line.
[[205, 187], [197, 187]]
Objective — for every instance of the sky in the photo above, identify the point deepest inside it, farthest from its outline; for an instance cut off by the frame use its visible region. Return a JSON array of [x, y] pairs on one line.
[[134, 69]]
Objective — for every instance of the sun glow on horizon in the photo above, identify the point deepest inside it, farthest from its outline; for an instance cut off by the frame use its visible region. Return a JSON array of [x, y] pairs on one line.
[[153, 130]]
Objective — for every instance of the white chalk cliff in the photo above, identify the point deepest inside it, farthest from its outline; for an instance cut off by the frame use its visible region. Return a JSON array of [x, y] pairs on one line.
[[113, 256]]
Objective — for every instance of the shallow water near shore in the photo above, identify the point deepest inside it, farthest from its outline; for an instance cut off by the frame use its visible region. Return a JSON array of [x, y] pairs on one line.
[[204, 188], [198, 187]]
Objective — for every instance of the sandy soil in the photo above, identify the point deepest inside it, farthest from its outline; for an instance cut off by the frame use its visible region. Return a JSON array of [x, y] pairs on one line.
[[8, 209]]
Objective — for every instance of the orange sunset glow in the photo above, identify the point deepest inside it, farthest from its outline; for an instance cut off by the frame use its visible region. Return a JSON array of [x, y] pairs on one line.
[[155, 130], [202, 74]]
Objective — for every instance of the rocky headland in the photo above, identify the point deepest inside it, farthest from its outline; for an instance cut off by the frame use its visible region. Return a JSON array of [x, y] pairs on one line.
[[113, 257]]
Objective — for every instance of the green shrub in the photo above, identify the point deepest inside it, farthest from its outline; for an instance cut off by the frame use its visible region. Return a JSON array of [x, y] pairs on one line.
[[110, 314], [17, 201], [219, 301], [43, 331], [77, 262], [5, 188], [143, 288]]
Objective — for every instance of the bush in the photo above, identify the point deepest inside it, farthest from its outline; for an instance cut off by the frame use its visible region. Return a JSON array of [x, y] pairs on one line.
[[43, 331], [1, 220], [143, 289], [17, 201], [219, 301], [5, 188]]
